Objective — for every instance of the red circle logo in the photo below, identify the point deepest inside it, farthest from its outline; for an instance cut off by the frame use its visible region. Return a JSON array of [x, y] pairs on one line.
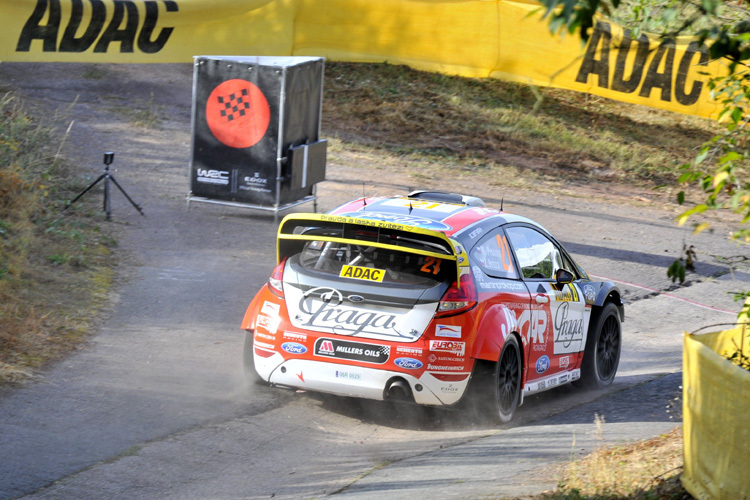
[[237, 113]]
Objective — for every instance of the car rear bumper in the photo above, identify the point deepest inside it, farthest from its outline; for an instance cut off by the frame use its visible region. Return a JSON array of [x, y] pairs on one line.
[[357, 381]]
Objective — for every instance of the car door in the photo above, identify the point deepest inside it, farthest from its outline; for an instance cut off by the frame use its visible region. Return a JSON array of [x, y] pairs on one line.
[[558, 316]]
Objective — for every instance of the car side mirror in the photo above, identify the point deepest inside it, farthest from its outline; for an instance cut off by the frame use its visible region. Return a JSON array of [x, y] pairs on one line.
[[564, 277]]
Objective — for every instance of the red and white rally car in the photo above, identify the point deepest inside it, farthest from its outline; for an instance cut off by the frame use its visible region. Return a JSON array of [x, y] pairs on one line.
[[430, 298]]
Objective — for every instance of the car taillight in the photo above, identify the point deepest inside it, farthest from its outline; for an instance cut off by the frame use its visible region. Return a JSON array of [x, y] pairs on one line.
[[276, 281], [457, 300]]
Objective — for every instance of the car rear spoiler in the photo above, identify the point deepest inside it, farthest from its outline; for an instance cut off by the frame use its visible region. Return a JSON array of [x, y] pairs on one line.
[[295, 229]]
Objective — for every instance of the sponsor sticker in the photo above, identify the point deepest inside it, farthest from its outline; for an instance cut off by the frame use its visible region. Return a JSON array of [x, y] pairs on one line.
[[448, 331], [564, 361], [451, 346], [263, 345], [362, 273], [590, 293], [355, 351], [269, 323], [542, 364], [270, 308], [259, 335], [299, 337], [408, 363], [445, 368], [294, 348], [409, 350]]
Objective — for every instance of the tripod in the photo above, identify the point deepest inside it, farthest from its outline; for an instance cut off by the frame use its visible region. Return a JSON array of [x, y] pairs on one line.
[[108, 158]]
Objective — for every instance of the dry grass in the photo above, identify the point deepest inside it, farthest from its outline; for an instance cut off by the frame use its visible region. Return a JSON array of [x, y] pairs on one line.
[[485, 123], [54, 269], [646, 470]]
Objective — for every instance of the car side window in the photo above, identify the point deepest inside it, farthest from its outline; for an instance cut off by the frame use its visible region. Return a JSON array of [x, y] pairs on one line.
[[537, 255], [493, 255]]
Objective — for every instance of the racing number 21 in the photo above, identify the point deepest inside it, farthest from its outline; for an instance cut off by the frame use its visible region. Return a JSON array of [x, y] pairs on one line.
[[502, 242], [431, 265]]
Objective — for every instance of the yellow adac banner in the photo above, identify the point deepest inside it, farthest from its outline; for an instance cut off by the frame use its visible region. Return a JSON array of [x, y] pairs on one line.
[[716, 402], [504, 39]]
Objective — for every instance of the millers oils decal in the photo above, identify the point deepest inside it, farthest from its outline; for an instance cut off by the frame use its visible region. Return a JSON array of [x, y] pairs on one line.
[[355, 351]]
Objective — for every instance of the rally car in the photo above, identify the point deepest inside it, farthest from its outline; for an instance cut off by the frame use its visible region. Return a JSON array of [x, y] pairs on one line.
[[430, 298]]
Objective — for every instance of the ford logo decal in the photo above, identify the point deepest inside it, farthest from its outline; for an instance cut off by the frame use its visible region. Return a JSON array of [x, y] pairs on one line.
[[408, 363], [294, 348], [355, 298], [542, 364]]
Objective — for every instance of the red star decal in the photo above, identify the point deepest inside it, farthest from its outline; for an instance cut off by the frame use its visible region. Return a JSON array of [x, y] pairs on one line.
[[301, 376]]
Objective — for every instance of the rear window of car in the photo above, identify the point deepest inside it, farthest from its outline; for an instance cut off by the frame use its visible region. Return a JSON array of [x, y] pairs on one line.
[[349, 261], [493, 255]]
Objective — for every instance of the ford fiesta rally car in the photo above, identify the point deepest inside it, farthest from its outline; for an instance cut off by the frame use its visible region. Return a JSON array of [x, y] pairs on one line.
[[430, 298]]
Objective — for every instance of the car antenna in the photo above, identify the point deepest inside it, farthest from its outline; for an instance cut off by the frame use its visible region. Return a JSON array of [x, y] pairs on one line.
[[502, 200], [410, 207], [364, 197]]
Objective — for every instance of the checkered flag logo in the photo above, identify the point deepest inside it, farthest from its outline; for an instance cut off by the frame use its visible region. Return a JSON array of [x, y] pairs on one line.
[[234, 105]]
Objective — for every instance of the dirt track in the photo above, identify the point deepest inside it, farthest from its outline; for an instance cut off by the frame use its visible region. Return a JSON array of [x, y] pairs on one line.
[[157, 406]]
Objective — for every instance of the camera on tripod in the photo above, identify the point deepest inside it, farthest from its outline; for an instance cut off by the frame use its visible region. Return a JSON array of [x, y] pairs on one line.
[[109, 157]]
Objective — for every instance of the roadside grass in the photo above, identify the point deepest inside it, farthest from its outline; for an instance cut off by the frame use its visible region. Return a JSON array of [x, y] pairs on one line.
[[553, 134], [55, 269], [645, 470]]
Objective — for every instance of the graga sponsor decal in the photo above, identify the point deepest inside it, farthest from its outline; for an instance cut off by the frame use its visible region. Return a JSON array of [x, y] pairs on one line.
[[408, 363], [356, 351], [662, 72], [451, 346], [327, 312], [213, 176], [542, 364], [130, 28], [448, 331], [568, 332], [362, 273], [294, 348]]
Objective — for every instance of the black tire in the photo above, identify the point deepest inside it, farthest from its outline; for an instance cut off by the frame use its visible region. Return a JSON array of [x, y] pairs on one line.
[[496, 387], [248, 361], [603, 345]]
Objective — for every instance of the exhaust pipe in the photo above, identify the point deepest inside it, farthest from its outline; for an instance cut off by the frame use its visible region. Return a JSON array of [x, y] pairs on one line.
[[397, 389]]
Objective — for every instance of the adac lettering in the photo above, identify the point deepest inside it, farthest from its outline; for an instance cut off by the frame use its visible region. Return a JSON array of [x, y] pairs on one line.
[[663, 72], [130, 27]]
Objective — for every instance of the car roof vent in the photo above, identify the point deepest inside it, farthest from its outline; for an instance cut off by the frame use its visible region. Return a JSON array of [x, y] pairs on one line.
[[443, 197]]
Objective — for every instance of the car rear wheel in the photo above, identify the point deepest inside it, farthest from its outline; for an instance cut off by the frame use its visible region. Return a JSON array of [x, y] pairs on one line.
[[248, 361], [508, 380], [497, 386], [603, 345]]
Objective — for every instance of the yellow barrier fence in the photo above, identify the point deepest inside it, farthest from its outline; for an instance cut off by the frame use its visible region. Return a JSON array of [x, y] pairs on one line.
[[476, 38], [716, 405]]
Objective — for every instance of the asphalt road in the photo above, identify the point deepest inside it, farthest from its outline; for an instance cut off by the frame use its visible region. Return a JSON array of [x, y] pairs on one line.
[[156, 404]]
